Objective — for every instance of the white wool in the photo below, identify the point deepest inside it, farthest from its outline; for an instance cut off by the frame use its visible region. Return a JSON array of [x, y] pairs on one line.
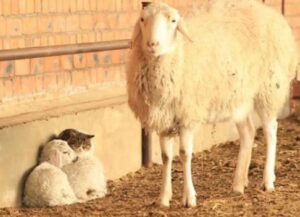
[[87, 178]]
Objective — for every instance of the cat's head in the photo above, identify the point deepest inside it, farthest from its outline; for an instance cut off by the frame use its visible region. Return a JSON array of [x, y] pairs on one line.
[[78, 141]]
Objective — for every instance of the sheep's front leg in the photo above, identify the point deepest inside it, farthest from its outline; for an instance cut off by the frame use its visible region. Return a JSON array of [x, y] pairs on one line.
[[244, 157], [186, 149], [270, 132], [166, 144]]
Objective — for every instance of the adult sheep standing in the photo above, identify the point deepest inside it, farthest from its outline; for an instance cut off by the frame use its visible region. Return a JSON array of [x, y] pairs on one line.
[[237, 56]]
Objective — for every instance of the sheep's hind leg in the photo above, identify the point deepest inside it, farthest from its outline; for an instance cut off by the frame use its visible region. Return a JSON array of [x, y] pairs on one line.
[[244, 157], [270, 131], [166, 145], [186, 149]]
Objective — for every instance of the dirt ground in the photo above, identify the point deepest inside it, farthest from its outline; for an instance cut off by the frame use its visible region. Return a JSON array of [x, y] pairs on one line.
[[135, 194]]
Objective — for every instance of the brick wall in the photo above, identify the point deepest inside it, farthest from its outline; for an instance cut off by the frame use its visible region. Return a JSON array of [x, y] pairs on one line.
[[31, 23]]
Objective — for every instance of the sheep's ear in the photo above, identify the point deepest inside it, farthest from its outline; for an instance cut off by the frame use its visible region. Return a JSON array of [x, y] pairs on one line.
[[136, 33], [181, 27], [55, 158]]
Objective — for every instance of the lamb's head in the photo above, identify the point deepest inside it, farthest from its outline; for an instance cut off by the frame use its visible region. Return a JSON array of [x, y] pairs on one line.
[[58, 153], [157, 29]]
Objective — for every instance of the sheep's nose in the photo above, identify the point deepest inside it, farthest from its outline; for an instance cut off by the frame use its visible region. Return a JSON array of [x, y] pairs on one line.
[[152, 43]]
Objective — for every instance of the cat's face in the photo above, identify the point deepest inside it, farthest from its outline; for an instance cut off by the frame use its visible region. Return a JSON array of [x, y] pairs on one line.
[[79, 142]]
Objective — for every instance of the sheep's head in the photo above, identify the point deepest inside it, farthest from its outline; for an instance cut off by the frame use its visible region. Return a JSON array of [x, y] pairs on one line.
[[157, 28], [58, 153]]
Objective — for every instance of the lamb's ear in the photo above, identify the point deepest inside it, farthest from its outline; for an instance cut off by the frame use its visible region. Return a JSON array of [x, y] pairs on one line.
[[181, 27], [55, 158], [137, 33]]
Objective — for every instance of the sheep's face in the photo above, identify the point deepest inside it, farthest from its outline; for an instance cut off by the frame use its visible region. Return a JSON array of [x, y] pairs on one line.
[[158, 26], [58, 153], [67, 154]]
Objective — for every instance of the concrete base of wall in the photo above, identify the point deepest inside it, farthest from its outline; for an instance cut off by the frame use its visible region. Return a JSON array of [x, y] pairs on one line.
[[117, 144]]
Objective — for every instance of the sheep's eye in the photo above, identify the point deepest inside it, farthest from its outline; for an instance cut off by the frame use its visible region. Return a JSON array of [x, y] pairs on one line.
[[142, 20], [174, 21], [65, 152]]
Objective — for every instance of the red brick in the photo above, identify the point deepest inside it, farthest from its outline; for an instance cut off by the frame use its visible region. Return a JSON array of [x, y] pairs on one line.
[[79, 61], [6, 10], [72, 23], [93, 75], [79, 78], [99, 74], [7, 68], [292, 9], [45, 6], [50, 81], [296, 32], [60, 5], [80, 5], [8, 87], [63, 79], [36, 66], [30, 7], [22, 67], [109, 74], [1, 89], [93, 5], [59, 24], [39, 79], [38, 6], [87, 22], [67, 62], [29, 25], [14, 27], [294, 21], [45, 24], [28, 85], [66, 5], [16, 86], [15, 7], [3, 26], [52, 6], [51, 64], [22, 6]]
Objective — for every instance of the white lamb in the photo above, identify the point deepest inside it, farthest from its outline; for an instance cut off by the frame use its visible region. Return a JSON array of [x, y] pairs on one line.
[[47, 185], [237, 56], [87, 178]]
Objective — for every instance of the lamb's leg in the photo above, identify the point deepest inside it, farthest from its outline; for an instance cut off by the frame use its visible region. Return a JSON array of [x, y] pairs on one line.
[[166, 144], [270, 132], [186, 149], [244, 157], [252, 135]]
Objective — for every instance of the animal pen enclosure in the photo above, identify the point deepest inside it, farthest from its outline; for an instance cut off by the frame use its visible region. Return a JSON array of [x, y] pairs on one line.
[[83, 86]]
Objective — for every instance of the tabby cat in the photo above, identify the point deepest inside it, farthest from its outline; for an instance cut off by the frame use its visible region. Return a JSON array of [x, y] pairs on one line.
[[78, 141]]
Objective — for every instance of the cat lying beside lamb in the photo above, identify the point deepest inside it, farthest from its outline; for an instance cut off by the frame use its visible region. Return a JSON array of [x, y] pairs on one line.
[[68, 173]]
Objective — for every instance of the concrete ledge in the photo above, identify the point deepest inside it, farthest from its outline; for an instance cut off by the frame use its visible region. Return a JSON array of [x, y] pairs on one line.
[[117, 144], [100, 96]]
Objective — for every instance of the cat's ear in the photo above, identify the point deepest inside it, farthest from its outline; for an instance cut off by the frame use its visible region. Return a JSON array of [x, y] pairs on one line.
[[89, 136]]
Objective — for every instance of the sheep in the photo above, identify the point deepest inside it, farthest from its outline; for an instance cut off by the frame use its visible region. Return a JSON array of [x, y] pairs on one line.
[[220, 63], [47, 185], [87, 178]]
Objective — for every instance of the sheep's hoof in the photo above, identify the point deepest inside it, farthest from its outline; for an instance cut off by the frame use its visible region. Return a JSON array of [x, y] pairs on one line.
[[238, 189], [164, 200], [190, 201], [269, 187]]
